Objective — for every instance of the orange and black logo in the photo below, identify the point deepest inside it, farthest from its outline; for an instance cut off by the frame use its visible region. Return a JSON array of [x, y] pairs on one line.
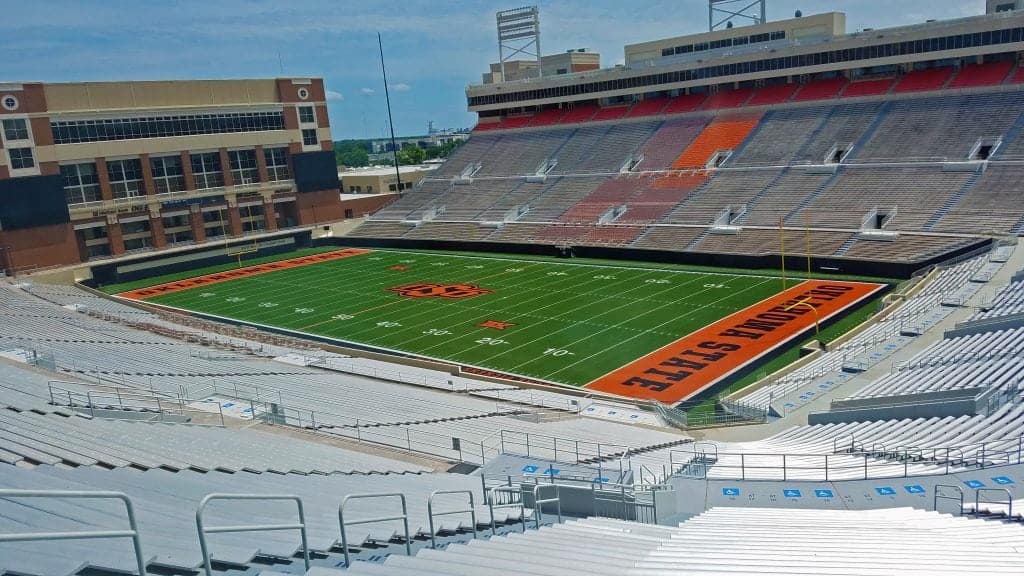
[[453, 291]]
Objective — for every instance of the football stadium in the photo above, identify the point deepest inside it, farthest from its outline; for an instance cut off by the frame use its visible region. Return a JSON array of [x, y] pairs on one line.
[[748, 302]]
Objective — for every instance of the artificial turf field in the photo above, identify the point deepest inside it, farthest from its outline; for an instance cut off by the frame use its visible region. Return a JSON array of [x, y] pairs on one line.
[[561, 322]]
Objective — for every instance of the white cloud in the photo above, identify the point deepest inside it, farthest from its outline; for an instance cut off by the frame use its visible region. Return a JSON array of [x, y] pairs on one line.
[[400, 87], [367, 91], [333, 96]]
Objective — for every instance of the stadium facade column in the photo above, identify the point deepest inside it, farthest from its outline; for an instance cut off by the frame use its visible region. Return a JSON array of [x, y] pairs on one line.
[[195, 218], [234, 219], [147, 174], [114, 236], [269, 214], [156, 229], [225, 167], [104, 179], [186, 170], [261, 164]]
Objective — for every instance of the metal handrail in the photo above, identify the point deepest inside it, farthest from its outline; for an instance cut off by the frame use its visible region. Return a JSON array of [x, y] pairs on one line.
[[430, 511], [938, 496], [492, 506], [132, 532], [404, 518], [1009, 501], [538, 504], [203, 530]]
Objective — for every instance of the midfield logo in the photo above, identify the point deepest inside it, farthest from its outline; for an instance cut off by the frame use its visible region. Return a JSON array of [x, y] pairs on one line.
[[496, 325], [453, 291]]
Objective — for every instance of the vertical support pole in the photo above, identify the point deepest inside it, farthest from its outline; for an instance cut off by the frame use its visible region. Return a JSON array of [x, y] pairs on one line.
[[782, 251]]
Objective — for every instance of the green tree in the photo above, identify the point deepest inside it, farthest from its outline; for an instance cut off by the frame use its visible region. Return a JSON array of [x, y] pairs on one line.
[[411, 155], [352, 153]]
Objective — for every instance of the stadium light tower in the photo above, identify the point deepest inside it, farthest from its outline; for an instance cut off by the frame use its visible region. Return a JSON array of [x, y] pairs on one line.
[[519, 33], [721, 12]]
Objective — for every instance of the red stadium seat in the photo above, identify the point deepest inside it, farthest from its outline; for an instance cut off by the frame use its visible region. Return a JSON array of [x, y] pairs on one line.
[[773, 95], [580, 114], [650, 107], [610, 113], [820, 90], [728, 99], [924, 80], [684, 103], [547, 117], [868, 88], [990, 74]]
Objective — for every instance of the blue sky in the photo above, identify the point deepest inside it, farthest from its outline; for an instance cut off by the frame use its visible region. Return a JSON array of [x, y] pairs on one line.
[[433, 48]]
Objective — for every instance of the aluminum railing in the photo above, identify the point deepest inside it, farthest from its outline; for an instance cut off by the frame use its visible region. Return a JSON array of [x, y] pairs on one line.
[[203, 530], [404, 518], [538, 504], [431, 514], [132, 532], [515, 500]]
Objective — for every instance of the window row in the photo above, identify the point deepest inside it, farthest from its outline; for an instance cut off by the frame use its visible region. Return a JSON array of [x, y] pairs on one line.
[[73, 132], [82, 184], [994, 37], [15, 129], [724, 43]]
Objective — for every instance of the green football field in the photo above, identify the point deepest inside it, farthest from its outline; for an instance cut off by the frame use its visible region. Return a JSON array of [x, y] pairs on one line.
[[561, 322]]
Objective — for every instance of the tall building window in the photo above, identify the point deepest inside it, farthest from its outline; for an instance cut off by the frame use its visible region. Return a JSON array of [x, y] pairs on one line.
[[206, 170], [307, 115], [309, 137], [81, 183], [243, 166], [76, 131], [15, 129], [168, 174], [21, 158], [277, 163], [125, 178]]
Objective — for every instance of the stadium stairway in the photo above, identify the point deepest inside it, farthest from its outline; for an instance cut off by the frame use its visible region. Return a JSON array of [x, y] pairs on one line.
[[952, 201], [814, 195], [846, 247], [1011, 136], [869, 133]]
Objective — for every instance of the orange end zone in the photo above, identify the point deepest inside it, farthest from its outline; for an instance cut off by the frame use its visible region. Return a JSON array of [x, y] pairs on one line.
[[179, 285], [691, 364]]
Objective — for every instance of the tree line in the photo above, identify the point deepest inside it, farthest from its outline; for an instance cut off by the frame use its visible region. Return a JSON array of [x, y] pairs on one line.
[[356, 153]]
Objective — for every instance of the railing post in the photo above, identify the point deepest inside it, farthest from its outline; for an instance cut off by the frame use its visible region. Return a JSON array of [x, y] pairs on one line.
[[743, 466], [408, 440], [578, 452], [826, 467], [982, 455], [784, 467], [528, 444]]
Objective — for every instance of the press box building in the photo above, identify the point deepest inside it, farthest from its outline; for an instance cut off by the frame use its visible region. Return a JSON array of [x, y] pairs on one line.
[[98, 169]]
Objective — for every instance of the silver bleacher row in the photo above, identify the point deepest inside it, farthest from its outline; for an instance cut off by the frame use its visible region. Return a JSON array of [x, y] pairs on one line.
[[166, 502], [732, 541], [1008, 302], [921, 311], [356, 407], [56, 439]]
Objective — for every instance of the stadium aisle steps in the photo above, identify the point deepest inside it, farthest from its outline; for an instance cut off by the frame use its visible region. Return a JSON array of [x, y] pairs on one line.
[[953, 201], [820, 90], [867, 88], [813, 195], [979, 75], [1011, 136], [777, 94], [869, 133], [1017, 76], [719, 135], [846, 246]]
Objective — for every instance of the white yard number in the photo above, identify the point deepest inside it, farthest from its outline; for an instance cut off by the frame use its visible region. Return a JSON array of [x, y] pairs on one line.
[[342, 317], [557, 274], [439, 264], [491, 341], [656, 281], [475, 267], [207, 294], [714, 285], [406, 261], [603, 277], [436, 332], [304, 310], [513, 269], [558, 352], [388, 324], [268, 304], [235, 299]]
